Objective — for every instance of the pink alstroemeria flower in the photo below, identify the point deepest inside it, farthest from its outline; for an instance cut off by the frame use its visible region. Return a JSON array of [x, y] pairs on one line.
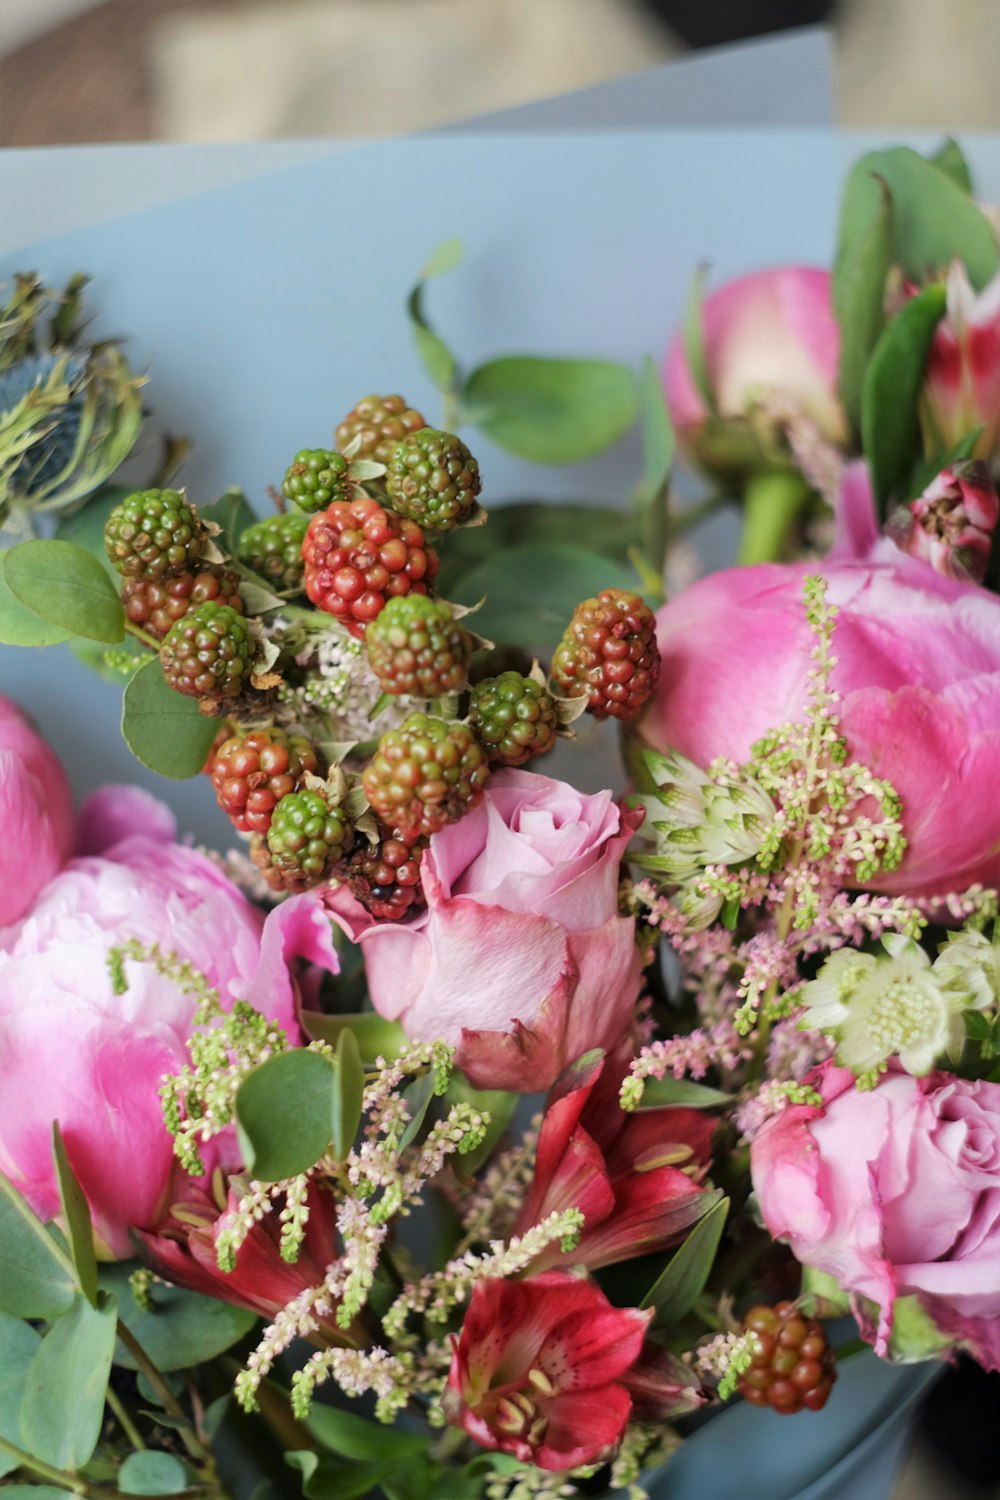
[[542, 1370], [951, 524], [623, 1171], [36, 814], [962, 380]]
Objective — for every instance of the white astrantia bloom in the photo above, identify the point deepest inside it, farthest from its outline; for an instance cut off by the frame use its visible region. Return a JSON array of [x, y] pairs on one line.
[[968, 964]]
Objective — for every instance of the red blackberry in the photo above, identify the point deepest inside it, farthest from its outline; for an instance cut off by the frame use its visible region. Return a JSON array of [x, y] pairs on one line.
[[380, 422], [513, 717], [385, 877], [433, 479], [208, 653], [358, 555], [157, 603], [416, 647], [609, 652], [315, 478], [273, 548], [425, 774], [252, 772], [153, 532], [795, 1366], [307, 836]]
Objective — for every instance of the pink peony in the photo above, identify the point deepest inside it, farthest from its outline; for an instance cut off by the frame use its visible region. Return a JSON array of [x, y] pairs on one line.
[[918, 671], [894, 1192], [772, 332], [520, 959], [36, 814], [76, 1052]]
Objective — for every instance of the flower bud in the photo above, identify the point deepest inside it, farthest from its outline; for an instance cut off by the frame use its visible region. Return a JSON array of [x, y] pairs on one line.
[[951, 524], [962, 380]]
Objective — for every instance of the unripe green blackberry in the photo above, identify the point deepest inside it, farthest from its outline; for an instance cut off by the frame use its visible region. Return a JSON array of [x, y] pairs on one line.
[[208, 653], [358, 556], [380, 422], [282, 882], [425, 774], [417, 648], [253, 772], [794, 1366], [315, 478], [307, 835], [157, 603], [273, 548], [433, 479], [153, 532], [609, 653], [385, 877], [514, 718]]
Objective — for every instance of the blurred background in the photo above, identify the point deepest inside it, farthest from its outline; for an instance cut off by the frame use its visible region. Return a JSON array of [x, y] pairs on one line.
[[229, 70]]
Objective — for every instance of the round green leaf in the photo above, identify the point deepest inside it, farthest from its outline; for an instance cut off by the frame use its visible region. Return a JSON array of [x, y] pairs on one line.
[[152, 1473], [165, 730], [285, 1114], [531, 591], [180, 1328], [86, 525], [63, 1406], [551, 411], [67, 586], [20, 626], [18, 1346]]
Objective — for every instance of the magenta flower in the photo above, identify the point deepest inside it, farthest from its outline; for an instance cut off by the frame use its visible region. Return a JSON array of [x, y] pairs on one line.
[[623, 1171], [36, 814], [962, 380], [951, 524], [520, 958]]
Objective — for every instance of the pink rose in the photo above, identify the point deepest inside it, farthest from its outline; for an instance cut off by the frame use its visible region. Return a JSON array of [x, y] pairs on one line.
[[772, 332], [520, 958], [36, 814], [76, 1052], [918, 672], [894, 1192]]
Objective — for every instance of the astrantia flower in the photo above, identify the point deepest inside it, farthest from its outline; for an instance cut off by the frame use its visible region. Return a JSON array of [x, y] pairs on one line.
[[701, 820], [968, 966]]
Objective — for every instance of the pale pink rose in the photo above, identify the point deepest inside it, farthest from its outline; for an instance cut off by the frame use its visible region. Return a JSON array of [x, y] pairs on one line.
[[769, 333], [951, 524], [918, 673], [520, 958], [894, 1191], [962, 378], [76, 1052], [36, 814]]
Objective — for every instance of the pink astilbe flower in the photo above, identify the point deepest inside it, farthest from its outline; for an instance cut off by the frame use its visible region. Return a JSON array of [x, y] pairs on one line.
[[951, 524]]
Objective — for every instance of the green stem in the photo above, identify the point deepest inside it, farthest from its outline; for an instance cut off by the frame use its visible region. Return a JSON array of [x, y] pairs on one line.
[[451, 413], [772, 502], [168, 1400], [43, 1470], [142, 635], [124, 1421]]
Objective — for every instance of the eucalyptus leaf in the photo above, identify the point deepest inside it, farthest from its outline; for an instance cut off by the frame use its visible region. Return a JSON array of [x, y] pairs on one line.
[[86, 526], [76, 1216], [675, 1292], [375, 1036], [68, 586], [551, 411], [18, 1346], [891, 391], [37, 1278], [180, 1328], [232, 514], [532, 590], [284, 1112], [608, 530], [20, 626], [348, 1093], [163, 729], [62, 1409], [152, 1473], [694, 339], [32, 1492]]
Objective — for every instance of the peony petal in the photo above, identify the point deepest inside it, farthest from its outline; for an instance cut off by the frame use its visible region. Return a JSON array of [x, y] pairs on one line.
[[113, 813]]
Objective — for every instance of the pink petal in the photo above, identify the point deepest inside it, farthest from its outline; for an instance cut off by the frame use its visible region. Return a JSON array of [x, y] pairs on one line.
[[113, 813]]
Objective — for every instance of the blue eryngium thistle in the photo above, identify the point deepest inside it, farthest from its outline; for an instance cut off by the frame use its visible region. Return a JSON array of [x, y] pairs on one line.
[[69, 413]]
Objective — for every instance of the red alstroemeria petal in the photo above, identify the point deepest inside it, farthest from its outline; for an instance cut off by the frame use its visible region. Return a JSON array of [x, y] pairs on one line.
[[592, 1346], [583, 1426]]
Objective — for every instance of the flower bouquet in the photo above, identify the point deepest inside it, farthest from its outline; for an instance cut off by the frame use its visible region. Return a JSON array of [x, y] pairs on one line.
[[461, 1132]]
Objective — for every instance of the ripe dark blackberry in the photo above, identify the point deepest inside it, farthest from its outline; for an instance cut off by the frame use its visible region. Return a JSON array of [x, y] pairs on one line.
[[416, 647], [157, 603], [425, 774], [380, 422], [252, 772], [153, 532], [433, 479], [609, 652], [315, 478], [208, 653], [359, 555], [514, 718], [308, 835], [273, 548], [795, 1366], [385, 877]]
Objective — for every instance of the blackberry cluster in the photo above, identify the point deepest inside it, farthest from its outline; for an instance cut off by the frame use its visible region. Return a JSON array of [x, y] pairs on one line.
[[307, 836], [273, 549], [795, 1366], [609, 653], [157, 603], [385, 877], [315, 478], [433, 479], [208, 653], [358, 555], [153, 532], [424, 775], [513, 718], [380, 422], [417, 648], [253, 772]]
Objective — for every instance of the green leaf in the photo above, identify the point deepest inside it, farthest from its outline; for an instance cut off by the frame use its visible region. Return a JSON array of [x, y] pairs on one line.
[[438, 360], [447, 257], [950, 159], [694, 339], [609, 531], [18, 1346], [180, 1329], [67, 586], [915, 1336], [32, 1492], [230, 512], [76, 1216], [20, 626], [418, 1096], [675, 1292], [284, 1111], [152, 1473], [37, 1279], [660, 1091], [63, 1405], [163, 729], [893, 379], [86, 526], [348, 1093], [332, 1479], [532, 590], [859, 298], [375, 1036], [354, 1437], [551, 411], [931, 467], [658, 456], [497, 1103]]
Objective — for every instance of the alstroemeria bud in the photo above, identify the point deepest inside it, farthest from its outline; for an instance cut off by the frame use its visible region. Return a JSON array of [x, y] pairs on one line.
[[962, 380], [951, 524]]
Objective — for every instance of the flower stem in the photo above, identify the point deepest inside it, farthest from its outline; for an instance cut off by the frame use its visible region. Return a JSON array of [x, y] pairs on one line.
[[124, 1420], [168, 1400], [772, 502], [59, 1477]]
